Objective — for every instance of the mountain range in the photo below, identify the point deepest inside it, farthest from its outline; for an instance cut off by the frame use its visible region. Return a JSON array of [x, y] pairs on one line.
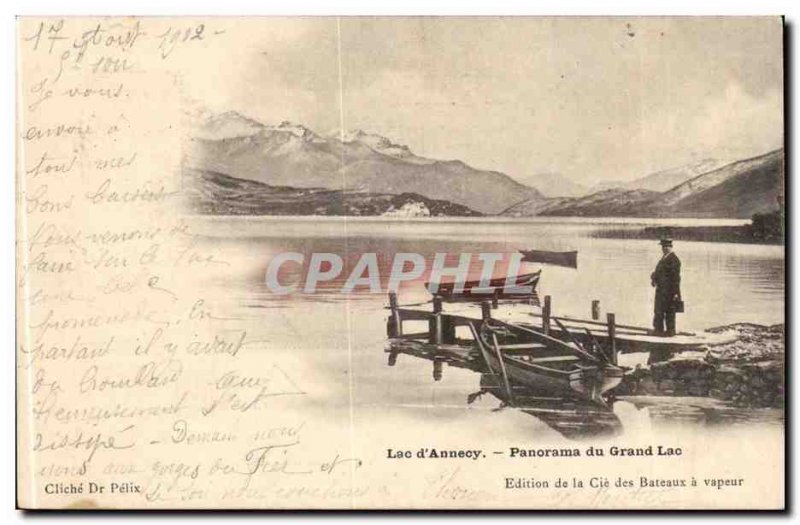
[[558, 185], [736, 190], [211, 193], [662, 180], [292, 155], [236, 165], [553, 185]]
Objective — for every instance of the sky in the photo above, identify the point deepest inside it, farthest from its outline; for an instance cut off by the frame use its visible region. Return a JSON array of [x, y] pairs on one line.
[[594, 99]]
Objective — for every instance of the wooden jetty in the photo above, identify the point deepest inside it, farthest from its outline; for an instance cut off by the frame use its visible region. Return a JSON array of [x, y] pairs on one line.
[[537, 350], [623, 338], [516, 354]]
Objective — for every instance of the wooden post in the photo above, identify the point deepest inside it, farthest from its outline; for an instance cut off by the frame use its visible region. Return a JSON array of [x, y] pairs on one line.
[[486, 310], [437, 369], [612, 336], [495, 302], [595, 309], [448, 330], [395, 324], [546, 315], [435, 323]]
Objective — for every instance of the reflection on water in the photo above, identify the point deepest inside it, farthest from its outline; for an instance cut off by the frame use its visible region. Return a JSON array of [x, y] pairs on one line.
[[701, 411], [579, 420], [571, 419], [747, 279], [722, 284]]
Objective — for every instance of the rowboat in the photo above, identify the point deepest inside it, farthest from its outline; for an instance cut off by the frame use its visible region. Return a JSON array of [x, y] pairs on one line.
[[521, 357], [548, 367], [569, 259], [546, 364], [495, 289], [573, 419]]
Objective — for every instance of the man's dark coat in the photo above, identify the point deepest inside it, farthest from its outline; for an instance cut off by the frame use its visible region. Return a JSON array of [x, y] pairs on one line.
[[667, 278]]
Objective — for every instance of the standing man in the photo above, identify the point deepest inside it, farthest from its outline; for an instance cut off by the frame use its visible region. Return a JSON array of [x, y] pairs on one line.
[[667, 281]]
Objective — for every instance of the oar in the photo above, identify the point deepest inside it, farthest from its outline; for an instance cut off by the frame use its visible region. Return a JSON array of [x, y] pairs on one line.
[[552, 341], [575, 341], [484, 352], [595, 344], [499, 353]]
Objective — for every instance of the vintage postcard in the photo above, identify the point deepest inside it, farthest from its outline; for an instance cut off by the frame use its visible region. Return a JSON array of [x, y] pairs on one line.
[[400, 263]]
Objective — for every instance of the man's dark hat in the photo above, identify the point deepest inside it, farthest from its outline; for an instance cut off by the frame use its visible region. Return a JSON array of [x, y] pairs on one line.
[[666, 241]]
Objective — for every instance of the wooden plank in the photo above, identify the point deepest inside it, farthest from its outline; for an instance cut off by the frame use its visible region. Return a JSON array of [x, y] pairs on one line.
[[482, 348], [509, 393], [637, 336], [521, 351], [455, 348], [523, 345], [413, 315], [598, 328], [422, 336], [566, 319], [557, 358], [550, 341], [638, 329]]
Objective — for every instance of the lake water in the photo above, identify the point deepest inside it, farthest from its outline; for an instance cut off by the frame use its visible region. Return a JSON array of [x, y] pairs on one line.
[[341, 339]]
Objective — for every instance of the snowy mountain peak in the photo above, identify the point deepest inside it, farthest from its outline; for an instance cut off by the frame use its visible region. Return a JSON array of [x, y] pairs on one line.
[[228, 125], [298, 130], [377, 143]]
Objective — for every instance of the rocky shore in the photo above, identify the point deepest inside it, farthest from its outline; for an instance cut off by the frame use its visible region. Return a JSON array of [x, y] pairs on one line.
[[748, 372]]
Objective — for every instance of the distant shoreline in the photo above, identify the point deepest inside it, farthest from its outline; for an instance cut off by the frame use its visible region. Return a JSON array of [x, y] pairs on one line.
[[743, 234], [498, 219]]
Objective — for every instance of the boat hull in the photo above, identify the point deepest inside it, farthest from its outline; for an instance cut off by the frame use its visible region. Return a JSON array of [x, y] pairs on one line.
[[568, 259], [587, 383], [494, 290]]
